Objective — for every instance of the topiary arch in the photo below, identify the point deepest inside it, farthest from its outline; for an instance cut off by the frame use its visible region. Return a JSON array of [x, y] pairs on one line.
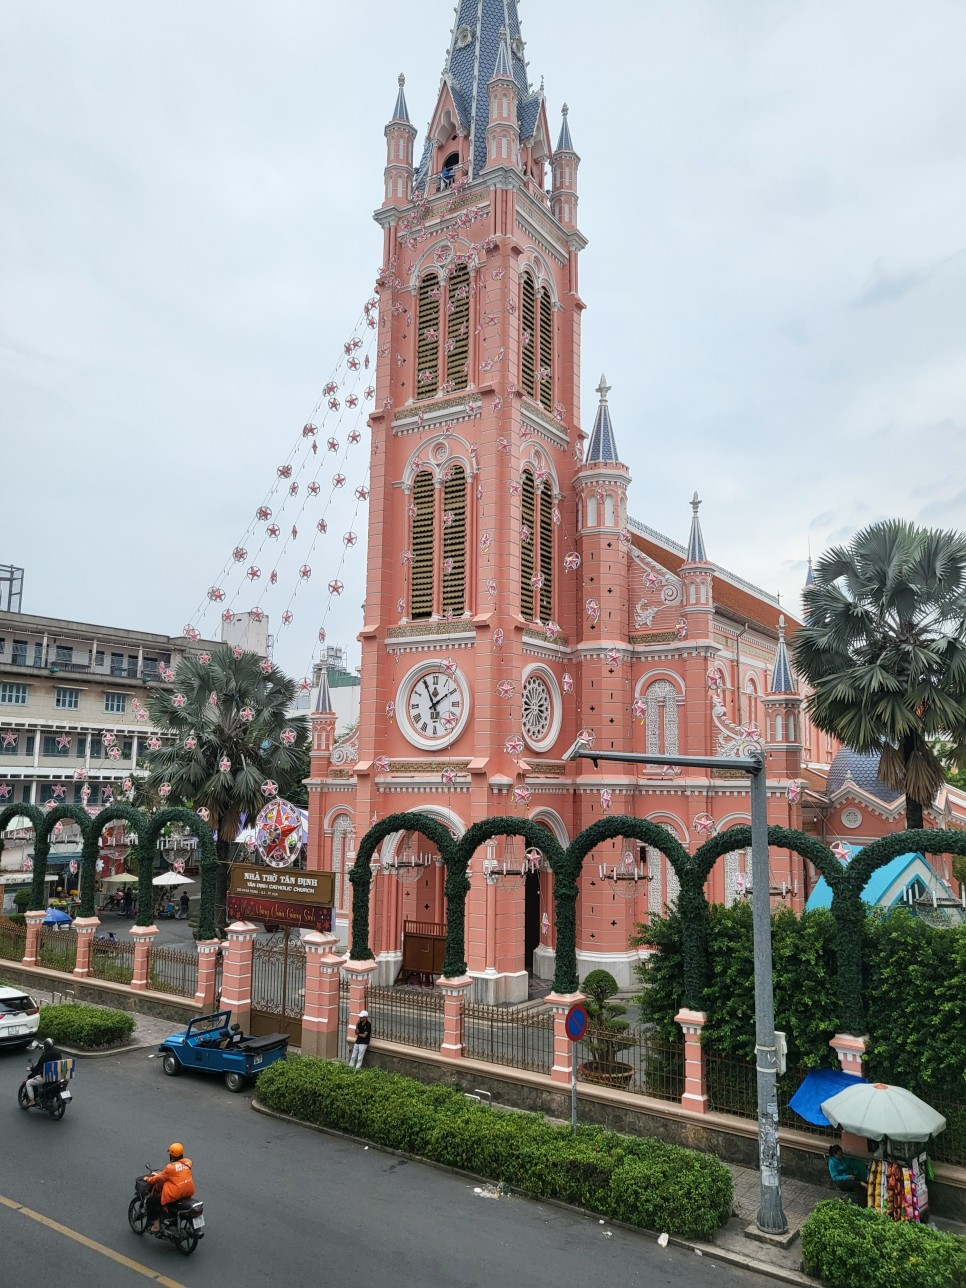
[[50, 819], [147, 843], [92, 848], [31, 812]]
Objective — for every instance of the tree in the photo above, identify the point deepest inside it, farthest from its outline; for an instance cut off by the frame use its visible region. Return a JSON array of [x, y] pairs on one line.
[[226, 732], [884, 651]]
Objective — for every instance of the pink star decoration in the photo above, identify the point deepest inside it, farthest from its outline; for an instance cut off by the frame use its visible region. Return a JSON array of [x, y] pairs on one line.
[[506, 689]]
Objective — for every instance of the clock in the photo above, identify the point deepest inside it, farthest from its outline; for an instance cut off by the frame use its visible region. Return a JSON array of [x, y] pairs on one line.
[[540, 708], [434, 706]]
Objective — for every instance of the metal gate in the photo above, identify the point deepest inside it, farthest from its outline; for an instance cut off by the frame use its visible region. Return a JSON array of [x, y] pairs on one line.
[[278, 986]]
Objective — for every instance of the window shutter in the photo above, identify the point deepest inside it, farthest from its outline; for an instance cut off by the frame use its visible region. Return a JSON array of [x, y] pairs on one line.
[[546, 553], [421, 572], [458, 328], [526, 547], [546, 350], [529, 321], [427, 341], [454, 542]]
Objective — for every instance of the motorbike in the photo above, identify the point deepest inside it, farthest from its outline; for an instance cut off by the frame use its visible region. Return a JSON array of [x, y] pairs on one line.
[[52, 1097], [182, 1224]]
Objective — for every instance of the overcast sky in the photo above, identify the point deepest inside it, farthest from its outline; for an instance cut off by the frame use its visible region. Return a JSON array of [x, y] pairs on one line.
[[775, 197]]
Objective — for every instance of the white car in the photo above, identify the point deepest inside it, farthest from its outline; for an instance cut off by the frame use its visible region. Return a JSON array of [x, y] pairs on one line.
[[19, 1017]]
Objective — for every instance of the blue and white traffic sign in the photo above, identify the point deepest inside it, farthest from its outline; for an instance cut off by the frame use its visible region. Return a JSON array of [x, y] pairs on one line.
[[576, 1022]]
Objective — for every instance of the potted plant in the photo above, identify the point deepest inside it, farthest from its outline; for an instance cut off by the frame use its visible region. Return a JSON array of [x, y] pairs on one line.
[[608, 1033]]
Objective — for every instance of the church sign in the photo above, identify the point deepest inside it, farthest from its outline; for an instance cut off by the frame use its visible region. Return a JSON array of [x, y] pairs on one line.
[[287, 896]]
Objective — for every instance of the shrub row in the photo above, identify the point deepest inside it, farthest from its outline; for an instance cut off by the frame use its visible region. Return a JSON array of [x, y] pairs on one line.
[[85, 1027], [641, 1181], [844, 1245]]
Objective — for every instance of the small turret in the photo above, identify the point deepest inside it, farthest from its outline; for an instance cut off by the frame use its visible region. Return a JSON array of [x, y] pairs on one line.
[[400, 133], [783, 714], [697, 578], [503, 130], [323, 719], [603, 478], [566, 162]]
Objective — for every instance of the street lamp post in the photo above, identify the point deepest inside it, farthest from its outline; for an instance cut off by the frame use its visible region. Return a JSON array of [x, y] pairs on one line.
[[771, 1216]]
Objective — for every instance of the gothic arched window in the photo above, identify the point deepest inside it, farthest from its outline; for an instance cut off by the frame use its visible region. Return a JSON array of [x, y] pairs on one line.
[[536, 342], [454, 540], [528, 335], [422, 542], [341, 838], [536, 549], [427, 337], [437, 577], [661, 712], [458, 329]]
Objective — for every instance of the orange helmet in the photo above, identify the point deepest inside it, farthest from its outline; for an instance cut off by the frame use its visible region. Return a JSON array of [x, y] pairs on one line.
[[176, 1150]]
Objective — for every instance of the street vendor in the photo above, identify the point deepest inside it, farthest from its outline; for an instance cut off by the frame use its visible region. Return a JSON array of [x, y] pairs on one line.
[[848, 1174]]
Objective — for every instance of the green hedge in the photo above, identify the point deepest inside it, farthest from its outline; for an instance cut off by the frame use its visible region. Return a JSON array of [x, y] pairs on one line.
[[845, 1245], [86, 1027], [641, 1181]]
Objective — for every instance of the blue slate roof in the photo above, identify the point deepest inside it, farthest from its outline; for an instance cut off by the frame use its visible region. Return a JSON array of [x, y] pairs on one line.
[[602, 445], [782, 680], [863, 769], [470, 65], [400, 111], [565, 143], [323, 701]]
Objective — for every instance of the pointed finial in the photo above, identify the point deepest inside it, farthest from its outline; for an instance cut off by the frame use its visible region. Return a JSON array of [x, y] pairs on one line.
[[781, 626], [603, 388], [696, 551], [565, 111], [695, 503], [402, 80]]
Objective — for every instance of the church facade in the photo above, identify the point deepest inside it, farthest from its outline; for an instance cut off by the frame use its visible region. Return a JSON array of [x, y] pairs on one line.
[[512, 603]]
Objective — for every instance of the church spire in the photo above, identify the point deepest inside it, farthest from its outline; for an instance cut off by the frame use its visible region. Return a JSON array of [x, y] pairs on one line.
[[401, 111], [696, 551], [323, 700], [400, 133], [782, 680], [602, 447], [565, 142]]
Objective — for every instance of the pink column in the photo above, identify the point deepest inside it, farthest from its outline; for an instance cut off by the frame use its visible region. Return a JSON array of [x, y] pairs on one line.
[[320, 1015], [143, 937], [236, 972], [207, 973], [359, 974], [850, 1050], [563, 1048], [85, 927], [32, 945], [695, 1095], [454, 1001]]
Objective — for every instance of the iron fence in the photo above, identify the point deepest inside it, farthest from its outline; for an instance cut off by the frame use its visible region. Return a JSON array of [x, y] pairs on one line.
[[173, 970], [640, 1063], [498, 1035], [343, 1048], [112, 961], [401, 1014], [13, 940], [58, 948], [733, 1089]]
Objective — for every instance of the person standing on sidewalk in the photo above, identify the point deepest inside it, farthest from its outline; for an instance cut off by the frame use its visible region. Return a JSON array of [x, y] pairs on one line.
[[363, 1034]]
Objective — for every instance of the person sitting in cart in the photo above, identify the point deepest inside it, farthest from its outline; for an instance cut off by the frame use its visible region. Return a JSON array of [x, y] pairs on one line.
[[848, 1174]]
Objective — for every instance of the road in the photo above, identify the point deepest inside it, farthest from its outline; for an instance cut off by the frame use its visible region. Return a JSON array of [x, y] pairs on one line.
[[283, 1204]]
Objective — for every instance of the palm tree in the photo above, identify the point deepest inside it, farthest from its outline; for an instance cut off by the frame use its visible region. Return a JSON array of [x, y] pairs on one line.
[[226, 733], [884, 650]]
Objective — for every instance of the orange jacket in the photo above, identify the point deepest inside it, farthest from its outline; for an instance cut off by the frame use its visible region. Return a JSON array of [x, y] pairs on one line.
[[175, 1180]]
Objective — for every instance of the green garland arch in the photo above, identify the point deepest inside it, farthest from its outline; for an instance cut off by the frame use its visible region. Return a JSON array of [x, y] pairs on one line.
[[31, 812], [361, 874], [38, 889], [147, 842], [92, 847]]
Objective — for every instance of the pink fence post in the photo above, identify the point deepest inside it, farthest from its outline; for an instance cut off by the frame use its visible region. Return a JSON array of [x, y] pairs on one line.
[[85, 927], [359, 974], [143, 937], [454, 1004], [236, 972], [695, 1095], [320, 1014], [31, 948], [850, 1051], [207, 973], [563, 1048]]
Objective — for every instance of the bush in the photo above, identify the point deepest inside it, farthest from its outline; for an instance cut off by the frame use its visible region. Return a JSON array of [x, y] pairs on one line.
[[85, 1027], [641, 1181], [21, 900], [846, 1245]]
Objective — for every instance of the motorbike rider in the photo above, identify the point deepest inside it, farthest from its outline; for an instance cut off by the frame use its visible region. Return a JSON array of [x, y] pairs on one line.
[[46, 1053], [172, 1183]]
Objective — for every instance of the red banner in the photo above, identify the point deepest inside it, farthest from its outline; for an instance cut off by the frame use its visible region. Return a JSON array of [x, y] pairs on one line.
[[279, 911]]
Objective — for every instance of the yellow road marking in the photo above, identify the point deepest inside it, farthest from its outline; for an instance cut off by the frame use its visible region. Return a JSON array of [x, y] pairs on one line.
[[90, 1243]]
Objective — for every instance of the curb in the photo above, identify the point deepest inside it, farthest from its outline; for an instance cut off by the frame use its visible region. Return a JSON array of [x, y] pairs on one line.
[[703, 1249], [100, 1055]]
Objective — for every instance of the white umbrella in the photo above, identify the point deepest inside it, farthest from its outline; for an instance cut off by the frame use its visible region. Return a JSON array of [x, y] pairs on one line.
[[171, 879], [876, 1109], [121, 878]]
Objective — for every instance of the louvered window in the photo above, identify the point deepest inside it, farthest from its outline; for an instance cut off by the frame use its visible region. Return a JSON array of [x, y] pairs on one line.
[[458, 328], [527, 542], [427, 339], [528, 337], [454, 542], [422, 546], [545, 553], [546, 351]]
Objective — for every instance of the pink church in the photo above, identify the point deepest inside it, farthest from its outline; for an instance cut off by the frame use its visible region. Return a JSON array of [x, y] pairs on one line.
[[511, 600]]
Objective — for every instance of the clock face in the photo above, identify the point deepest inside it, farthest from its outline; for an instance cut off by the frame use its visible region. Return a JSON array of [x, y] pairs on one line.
[[434, 706]]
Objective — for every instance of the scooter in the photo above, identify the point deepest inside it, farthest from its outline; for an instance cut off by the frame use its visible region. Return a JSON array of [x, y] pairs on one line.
[[52, 1097], [183, 1225]]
